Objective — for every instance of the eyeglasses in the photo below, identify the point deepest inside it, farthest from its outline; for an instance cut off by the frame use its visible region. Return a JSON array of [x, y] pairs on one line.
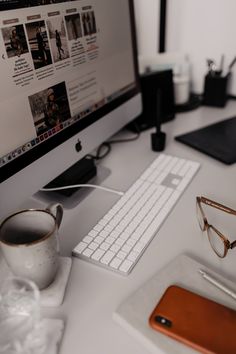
[[219, 243]]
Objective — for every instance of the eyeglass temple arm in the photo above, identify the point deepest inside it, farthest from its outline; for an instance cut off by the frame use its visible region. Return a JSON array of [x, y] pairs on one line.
[[217, 205], [233, 244]]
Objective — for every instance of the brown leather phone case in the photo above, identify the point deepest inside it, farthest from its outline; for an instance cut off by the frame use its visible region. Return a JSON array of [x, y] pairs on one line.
[[201, 323]]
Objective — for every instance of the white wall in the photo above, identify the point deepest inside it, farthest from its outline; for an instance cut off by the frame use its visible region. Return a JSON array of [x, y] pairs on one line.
[[147, 25], [202, 29]]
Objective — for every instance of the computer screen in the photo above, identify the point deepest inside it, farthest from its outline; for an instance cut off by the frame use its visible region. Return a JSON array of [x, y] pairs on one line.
[[68, 78]]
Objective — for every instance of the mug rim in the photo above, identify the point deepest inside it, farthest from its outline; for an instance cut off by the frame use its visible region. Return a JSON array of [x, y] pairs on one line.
[[33, 242]]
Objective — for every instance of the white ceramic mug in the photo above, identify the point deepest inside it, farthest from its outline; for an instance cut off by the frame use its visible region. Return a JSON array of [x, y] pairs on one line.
[[181, 89], [30, 245]]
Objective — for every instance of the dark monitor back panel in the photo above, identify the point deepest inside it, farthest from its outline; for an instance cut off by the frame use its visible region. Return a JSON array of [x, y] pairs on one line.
[[216, 140], [151, 84]]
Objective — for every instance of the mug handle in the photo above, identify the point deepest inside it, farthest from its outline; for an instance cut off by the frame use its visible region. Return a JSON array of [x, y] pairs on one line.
[[56, 209]]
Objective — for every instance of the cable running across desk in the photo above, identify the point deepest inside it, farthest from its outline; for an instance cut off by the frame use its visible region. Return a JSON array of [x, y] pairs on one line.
[[119, 239]]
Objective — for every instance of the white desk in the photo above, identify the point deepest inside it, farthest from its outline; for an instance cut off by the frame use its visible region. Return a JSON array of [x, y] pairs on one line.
[[94, 293]]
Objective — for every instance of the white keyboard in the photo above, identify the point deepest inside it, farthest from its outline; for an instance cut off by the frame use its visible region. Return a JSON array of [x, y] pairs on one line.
[[119, 239]]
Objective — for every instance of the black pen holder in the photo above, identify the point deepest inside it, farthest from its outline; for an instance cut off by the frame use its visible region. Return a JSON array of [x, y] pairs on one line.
[[215, 90]]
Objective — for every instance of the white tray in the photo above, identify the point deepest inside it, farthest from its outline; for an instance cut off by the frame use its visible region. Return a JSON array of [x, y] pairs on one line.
[[134, 312]]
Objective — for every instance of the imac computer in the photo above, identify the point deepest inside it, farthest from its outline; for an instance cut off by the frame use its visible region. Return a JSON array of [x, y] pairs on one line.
[[69, 81]]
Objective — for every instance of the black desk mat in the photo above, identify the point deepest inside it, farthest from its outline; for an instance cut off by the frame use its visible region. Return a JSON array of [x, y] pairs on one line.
[[217, 140]]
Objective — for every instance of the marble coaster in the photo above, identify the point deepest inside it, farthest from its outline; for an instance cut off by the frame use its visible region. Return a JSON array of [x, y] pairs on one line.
[[53, 295]]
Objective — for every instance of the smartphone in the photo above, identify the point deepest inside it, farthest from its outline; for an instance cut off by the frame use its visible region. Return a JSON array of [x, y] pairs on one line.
[[194, 320]]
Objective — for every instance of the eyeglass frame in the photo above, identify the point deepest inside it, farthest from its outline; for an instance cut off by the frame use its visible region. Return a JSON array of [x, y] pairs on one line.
[[227, 244]]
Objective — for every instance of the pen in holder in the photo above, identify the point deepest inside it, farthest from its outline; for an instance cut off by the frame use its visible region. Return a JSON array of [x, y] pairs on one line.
[[215, 90]]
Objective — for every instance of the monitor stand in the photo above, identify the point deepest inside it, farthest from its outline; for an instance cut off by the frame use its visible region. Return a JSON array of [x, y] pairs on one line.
[[79, 173], [82, 172]]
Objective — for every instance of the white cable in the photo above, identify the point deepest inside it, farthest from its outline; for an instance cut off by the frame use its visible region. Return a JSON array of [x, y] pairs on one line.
[[82, 185]]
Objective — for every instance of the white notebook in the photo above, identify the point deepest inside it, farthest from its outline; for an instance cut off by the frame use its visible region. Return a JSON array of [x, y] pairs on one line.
[[134, 312]]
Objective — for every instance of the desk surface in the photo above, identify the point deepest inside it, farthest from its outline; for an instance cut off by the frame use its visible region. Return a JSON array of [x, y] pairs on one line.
[[93, 293]]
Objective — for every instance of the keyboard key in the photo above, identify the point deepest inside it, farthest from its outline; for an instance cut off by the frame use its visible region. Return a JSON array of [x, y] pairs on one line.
[[125, 266], [80, 247], [87, 239], [99, 239], [133, 256], [93, 246], [126, 248], [104, 233], [105, 246], [115, 248], [121, 254], [88, 252], [98, 254], [98, 227], [93, 233], [107, 257], [115, 263]]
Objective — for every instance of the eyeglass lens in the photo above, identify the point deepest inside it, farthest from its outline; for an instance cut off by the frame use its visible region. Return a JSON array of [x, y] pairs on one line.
[[216, 242]]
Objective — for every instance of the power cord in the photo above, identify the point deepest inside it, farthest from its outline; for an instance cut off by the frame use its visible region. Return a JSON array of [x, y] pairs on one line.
[[105, 148], [101, 153], [82, 185]]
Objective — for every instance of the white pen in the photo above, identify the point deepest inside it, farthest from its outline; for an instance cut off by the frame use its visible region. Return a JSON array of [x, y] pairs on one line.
[[217, 284]]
